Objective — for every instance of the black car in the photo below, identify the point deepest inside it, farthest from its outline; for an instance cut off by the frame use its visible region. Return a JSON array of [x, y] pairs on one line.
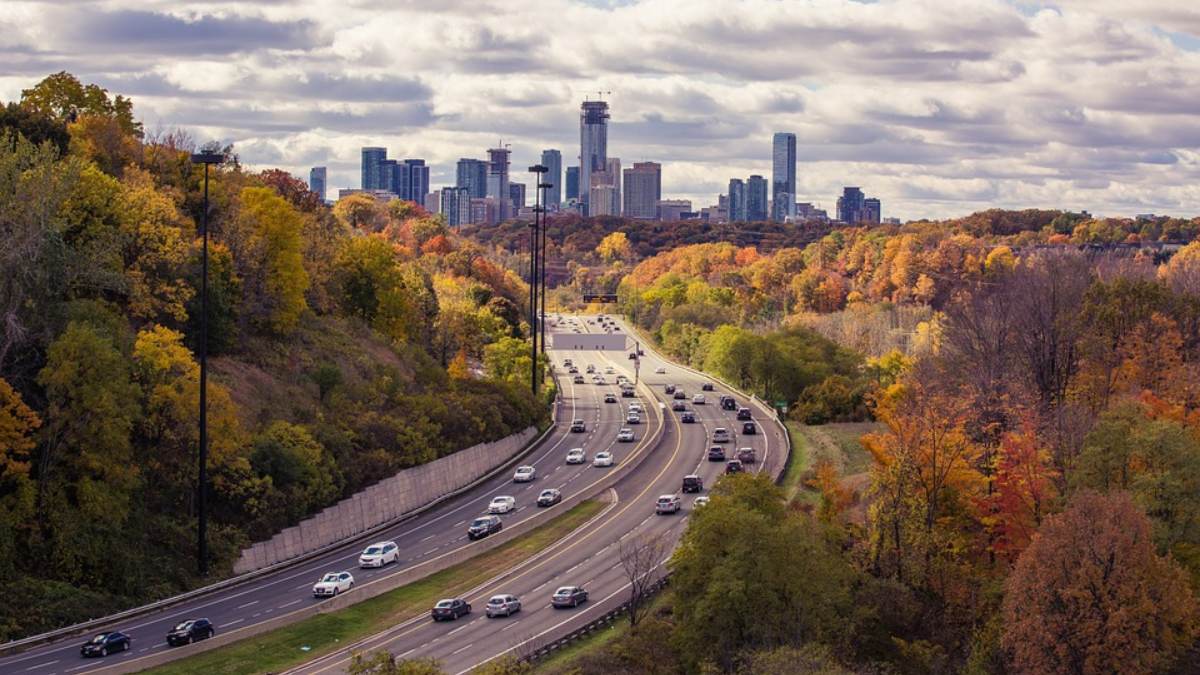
[[189, 631], [688, 417], [569, 596], [678, 406], [749, 429], [627, 392], [105, 644], [680, 394], [609, 398], [743, 413], [483, 526], [733, 466], [707, 386], [549, 497], [728, 403], [450, 609], [716, 454], [693, 483], [669, 389]]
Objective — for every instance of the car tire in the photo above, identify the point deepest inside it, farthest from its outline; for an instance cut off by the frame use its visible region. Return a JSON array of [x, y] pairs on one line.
[[211, 633], [189, 639], [104, 651], [335, 591]]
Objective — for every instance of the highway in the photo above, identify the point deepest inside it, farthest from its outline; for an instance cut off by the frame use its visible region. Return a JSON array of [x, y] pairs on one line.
[[588, 558]]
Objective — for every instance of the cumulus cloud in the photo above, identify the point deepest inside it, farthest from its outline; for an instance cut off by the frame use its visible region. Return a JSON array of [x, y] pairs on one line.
[[1062, 103]]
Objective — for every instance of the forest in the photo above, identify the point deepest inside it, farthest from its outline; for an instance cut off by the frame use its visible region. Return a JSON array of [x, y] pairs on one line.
[[344, 344]]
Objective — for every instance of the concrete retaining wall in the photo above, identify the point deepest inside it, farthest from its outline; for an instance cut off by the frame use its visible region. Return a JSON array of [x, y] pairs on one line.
[[384, 501]]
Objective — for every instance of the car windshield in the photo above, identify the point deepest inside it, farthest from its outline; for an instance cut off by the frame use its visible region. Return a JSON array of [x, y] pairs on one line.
[[445, 603], [98, 639], [547, 493], [498, 600], [183, 626], [564, 591], [479, 522], [330, 577], [372, 550]]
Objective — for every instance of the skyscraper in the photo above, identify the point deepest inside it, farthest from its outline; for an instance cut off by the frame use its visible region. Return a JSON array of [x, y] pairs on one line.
[[371, 159], [472, 175], [456, 205], [316, 181], [783, 176], [417, 183], [872, 211], [388, 177], [850, 205], [643, 190], [612, 170], [516, 193], [737, 200], [593, 145], [756, 199], [497, 185], [572, 183], [552, 160]]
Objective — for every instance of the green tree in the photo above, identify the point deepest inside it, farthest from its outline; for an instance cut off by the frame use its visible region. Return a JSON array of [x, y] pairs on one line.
[[383, 663], [270, 259], [508, 360], [63, 96], [298, 466]]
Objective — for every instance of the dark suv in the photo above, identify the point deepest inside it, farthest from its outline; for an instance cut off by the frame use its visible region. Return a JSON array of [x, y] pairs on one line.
[[693, 483], [687, 417], [728, 403], [483, 526], [749, 429], [743, 414], [716, 454], [746, 456], [733, 466], [669, 389], [189, 631]]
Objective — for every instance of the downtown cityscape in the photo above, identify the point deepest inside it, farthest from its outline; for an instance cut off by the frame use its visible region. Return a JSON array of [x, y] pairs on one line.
[[600, 337]]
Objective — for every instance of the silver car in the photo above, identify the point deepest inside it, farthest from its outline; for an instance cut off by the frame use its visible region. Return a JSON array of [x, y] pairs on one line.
[[502, 605]]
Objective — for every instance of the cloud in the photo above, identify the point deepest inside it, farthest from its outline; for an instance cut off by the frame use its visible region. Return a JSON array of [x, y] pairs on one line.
[[131, 30]]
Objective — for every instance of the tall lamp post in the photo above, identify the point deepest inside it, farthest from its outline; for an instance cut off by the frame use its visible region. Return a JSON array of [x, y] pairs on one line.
[[207, 159], [541, 189], [534, 245]]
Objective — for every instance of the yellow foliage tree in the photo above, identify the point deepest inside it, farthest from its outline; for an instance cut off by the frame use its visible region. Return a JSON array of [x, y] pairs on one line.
[[17, 424], [613, 247], [273, 226], [154, 249]]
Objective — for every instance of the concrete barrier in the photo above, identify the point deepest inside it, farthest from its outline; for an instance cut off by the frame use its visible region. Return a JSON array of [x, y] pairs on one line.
[[383, 502]]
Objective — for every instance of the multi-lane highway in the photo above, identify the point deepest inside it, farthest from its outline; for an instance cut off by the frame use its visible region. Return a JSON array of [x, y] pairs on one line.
[[587, 557]]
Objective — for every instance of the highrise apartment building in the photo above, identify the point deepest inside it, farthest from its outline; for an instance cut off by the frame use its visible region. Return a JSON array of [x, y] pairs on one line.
[[456, 206], [572, 183], [642, 190], [497, 185], [472, 175], [783, 176], [516, 195], [552, 160], [855, 207], [756, 199], [593, 146], [737, 200], [317, 181], [372, 158]]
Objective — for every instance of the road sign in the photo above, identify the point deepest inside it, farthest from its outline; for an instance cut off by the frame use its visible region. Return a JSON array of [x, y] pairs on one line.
[[600, 297]]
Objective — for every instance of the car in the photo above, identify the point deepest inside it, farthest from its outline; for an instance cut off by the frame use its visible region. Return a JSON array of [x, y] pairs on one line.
[[187, 632], [720, 435], [380, 554], [688, 417], [668, 389], [678, 406], [484, 526], [578, 426], [660, 370], [621, 379], [667, 504], [598, 379], [707, 386], [569, 596], [680, 394], [635, 406], [578, 379], [733, 466], [502, 504], [549, 497], [743, 414], [728, 403], [568, 363], [106, 643], [749, 428], [450, 609], [716, 454], [693, 483], [618, 329], [333, 584], [698, 399], [746, 455], [633, 418], [627, 391], [603, 458], [573, 370], [576, 456], [700, 501], [609, 370], [625, 435], [610, 397], [590, 368], [502, 605], [524, 474]]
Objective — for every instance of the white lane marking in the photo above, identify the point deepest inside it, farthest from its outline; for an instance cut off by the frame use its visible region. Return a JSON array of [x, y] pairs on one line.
[[462, 649], [231, 623], [248, 604], [434, 535], [71, 670], [289, 604], [42, 665]]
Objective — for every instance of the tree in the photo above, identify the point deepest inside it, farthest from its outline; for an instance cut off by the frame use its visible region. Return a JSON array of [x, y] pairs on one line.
[[298, 466], [508, 359], [269, 256], [1024, 490], [640, 559], [1090, 595], [63, 96], [613, 247], [17, 424], [154, 250], [383, 663]]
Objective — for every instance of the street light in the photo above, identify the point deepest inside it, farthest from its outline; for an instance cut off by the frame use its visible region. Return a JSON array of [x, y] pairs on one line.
[[541, 189], [207, 159], [536, 270]]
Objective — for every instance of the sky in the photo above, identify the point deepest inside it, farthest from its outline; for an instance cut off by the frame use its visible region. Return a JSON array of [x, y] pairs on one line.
[[938, 108]]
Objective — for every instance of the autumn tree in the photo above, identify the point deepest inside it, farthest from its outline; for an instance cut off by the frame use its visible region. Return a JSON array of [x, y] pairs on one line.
[[382, 662], [299, 467], [1024, 490], [1090, 595], [18, 423], [267, 247], [154, 250], [614, 247]]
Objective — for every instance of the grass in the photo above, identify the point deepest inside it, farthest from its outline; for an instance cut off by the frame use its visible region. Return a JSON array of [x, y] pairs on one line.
[[283, 648], [792, 479], [841, 444], [562, 660]]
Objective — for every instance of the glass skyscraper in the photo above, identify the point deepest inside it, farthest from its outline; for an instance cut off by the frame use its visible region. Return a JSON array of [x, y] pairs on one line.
[[572, 182], [783, 176], [317, 181], [472, 174], [593, 145], [552, 160], [737, 200], [756, 199], [372, 158]]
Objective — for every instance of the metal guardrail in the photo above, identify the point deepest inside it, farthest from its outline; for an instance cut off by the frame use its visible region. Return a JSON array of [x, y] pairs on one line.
[[604, 621]]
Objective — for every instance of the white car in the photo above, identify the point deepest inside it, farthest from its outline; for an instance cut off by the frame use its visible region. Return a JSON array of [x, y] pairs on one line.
[[698, 399], [609, 370], [633, 418], [635, 407], [332, 584], [524, 474], [700, 501], [625, 436], [603, 458], [720, 435], [576, 456], [378, 555], [599, 379], [502, 504], [667, 504], [660, 370]]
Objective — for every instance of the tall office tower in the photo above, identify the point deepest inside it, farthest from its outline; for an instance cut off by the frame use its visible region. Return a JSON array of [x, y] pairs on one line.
[[642, 189], [572, 183], [737, 200], [783, 175], [612, 169], [756, 199], [456, 205], [388, 177], [872, 211], [593, 145], [418, 180], [552, 160], [316, 181], [371, 159], [516, 194], [472, 174], [497, 185], [850, 205], [602, 198]]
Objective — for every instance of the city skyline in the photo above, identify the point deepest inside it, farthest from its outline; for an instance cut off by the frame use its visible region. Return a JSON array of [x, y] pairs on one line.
[[1057, 104]]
